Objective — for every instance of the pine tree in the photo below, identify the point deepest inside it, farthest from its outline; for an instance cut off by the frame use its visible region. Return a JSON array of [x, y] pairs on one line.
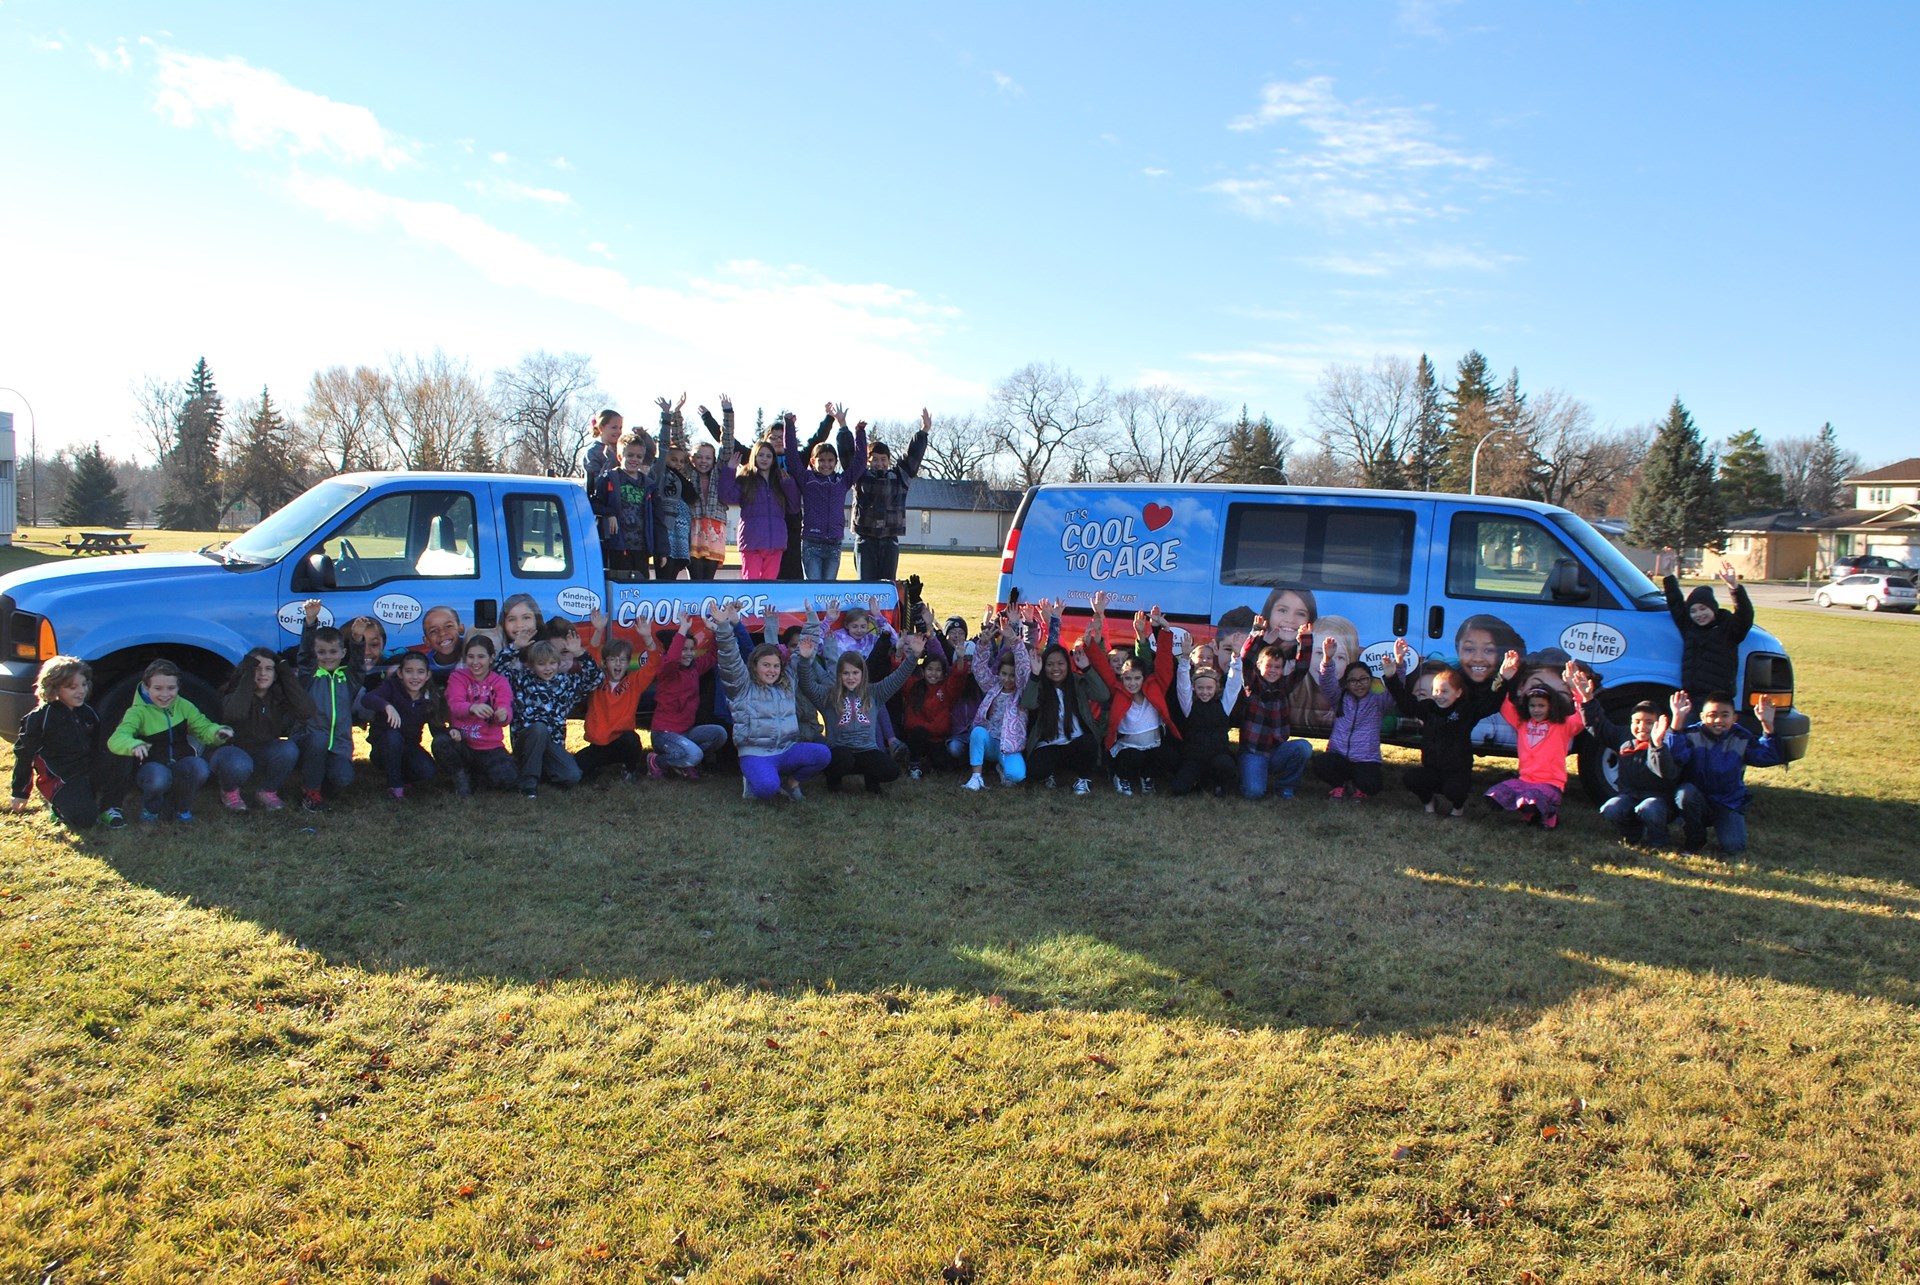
[[1427, 450], [93, 497], [1748, 483], [1255, 453], [1827, 469], [1469, 418], [269, 464], [190, 489], [479, 456], [1676, 505]]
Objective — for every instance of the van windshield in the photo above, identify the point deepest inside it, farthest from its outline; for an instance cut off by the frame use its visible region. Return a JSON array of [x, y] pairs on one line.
[[1632, 580], [281, 531]]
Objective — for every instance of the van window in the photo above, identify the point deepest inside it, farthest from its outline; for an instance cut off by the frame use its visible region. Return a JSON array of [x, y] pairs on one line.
[[404, 536], [537, 536], [1319, 546], [1503, 556]]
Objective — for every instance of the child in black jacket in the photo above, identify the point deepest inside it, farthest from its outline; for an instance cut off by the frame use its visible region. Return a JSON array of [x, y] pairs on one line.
[[1203, 712], [1447, 719], [62, 750], [1710, 635], [1646, 775]]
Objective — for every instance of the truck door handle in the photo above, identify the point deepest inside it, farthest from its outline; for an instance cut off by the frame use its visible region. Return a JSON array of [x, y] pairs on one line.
[[1399, 620], [1436, 621], [486, 613]]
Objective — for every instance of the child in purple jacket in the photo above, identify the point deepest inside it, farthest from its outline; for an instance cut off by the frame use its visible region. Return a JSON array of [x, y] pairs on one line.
[[823, 496], [1351, 761]]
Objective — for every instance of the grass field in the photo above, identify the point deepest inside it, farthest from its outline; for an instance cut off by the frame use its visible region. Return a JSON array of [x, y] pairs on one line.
[[647, 1033]]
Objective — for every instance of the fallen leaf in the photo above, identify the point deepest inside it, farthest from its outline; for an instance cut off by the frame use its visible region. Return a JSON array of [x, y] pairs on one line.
[[504, 1017], [1099, 1059], [599, 1251], [542, 1242], [1506, 1202], [772, 1043], [468, 1190], [1530, 1278], [1549, 1131], [959, 1271], [1403, 1153]]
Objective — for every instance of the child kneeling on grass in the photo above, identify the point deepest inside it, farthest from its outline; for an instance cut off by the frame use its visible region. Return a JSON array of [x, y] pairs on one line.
[[1545, 733], [1646, 771], [62, 751], [479, 707], [542, 699], [853, 709], [157, 732], [1713, 756], [268, 709], [766, 715]]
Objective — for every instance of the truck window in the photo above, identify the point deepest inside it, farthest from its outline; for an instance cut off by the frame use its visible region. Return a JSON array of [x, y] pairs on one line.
[[1318, 546], [410, 535], [1501, 556], [537, 536]]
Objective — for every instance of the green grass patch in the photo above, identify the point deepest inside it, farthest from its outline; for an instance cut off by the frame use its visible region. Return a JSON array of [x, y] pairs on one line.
[[639, 1033]]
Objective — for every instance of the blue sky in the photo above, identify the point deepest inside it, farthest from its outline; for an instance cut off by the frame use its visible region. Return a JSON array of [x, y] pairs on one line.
[[896, 205]]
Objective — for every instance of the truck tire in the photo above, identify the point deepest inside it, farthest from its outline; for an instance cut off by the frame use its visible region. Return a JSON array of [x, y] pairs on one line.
[[112, 705]]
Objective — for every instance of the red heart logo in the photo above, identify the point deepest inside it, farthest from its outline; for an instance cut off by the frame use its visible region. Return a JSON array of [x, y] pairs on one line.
[[1157, 516]]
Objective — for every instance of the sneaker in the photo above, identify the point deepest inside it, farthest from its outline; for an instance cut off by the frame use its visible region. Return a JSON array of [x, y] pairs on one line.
[[462, 784], [1550, 822], [310, 801], [1083, 787], [147, 817], [1146, 785], [975, 782], [1359, 795], [1337, 792], [397, 792], [654, 769], [689, 773], [913, 771], [184, 817], [1286, 792], [1219, 791], [628, 776], [529, 791], [269, 800], [114, 819], [232, 802], [1122, 786], [746, 788], [1050, 782], [792, 790]]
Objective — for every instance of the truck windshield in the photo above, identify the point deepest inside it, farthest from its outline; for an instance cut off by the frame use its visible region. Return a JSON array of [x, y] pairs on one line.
[[1633, 582], [280, 532]]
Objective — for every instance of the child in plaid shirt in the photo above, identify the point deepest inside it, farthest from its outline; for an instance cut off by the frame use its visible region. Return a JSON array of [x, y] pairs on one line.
[[1266, 748], [542, 699]]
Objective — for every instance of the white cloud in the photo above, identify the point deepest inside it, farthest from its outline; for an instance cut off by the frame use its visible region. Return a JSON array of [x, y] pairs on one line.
[[499, 158], [114, 59], [260, 111], [513, 191], [49, 43], [1422, 17], [1358, 163], [561, 163], [600, 248], [1006, 84], [1438, 258], [1154, 171]]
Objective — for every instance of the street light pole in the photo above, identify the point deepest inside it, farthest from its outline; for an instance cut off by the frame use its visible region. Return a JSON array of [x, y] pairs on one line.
[[1473, 474], [33, 437]]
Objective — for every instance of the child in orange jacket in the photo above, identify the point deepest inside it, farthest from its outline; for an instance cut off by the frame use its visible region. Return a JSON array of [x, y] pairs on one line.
[[611, 706]]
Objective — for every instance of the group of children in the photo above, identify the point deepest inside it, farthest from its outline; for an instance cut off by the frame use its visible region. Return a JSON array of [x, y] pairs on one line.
[[662, 508], [845, 695]]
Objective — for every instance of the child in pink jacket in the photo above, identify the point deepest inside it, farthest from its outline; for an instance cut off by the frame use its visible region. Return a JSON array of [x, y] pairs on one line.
[[1546, 735], [479, 705]]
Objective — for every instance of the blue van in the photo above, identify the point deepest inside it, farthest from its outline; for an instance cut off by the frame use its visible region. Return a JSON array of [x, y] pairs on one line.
[[1462, 578]]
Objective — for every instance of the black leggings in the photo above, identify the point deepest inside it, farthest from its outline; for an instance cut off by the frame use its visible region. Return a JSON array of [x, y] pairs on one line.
[[665, 569], [876, 765], [1131, 764], [623, 749], [1338, 770], [1454, 784], [924, 747], [1076, 759], [1219, 770], [702, 569]]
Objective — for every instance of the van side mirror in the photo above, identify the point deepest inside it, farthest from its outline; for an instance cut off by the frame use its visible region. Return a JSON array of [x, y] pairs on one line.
[[1566, 584]]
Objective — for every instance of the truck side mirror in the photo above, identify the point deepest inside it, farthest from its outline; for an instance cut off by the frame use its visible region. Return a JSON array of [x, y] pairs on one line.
[[316, 572], [1567, 584]]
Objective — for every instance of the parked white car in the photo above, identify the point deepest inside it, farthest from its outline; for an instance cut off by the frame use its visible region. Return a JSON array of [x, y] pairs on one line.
[[1874, 591]]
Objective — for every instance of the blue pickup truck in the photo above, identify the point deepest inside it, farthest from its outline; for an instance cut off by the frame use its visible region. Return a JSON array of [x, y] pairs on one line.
[[388, 545]]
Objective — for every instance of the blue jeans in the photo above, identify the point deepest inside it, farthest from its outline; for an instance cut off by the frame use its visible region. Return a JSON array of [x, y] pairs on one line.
[[983, 747], [235, 766], [878, 557], [1282, 766], [819, 560], [164, 784], [403, 763], [1698, 812], [538, 751], [1639, 821], [319, 764], [690, 750]]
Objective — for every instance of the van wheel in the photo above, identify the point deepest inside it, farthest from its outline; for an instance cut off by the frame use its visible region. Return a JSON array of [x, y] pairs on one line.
[[1600, 764]]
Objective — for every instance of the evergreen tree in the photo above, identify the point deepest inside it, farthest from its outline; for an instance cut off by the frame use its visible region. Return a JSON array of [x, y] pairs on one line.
[[1676, 505], [1827, 468], [190, 490], [269, 464], [1469, 418], [93, 497], [479, 456], [1427, 445], [1256, 452], [1748, 483]]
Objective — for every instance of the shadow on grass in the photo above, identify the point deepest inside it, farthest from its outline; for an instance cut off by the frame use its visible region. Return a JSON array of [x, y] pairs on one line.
[[1295, 913]]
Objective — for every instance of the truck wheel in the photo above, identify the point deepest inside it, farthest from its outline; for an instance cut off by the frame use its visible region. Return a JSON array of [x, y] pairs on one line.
[[112, 706]]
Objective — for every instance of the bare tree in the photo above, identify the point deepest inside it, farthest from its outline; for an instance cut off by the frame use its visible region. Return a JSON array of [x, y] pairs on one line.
[[958, 449], [1577, 466], [1165, 434], [157, 404], [1811, 470], [1364, 417], [1319, 467], [1038, 413], [434, 411], [546, 404], [344, 416]]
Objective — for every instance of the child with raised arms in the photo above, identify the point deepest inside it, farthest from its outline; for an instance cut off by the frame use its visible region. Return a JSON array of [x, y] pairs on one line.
[[1140, 728], [1204, 698], [999, 732], [1644, 774], [1063, 734], [1448, 714], [1270, 756], [543, 696], [1713, 756], [681, 741], [1351, 763], [611, 706], [852, 708], [1545, 728]]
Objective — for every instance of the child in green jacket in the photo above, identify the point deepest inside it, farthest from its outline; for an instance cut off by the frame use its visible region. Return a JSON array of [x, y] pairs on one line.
[[158, 733]]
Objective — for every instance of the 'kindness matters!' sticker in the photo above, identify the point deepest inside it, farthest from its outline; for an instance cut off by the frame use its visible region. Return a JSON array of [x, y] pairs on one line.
[[396, 609], [294, 614], [578, 600]]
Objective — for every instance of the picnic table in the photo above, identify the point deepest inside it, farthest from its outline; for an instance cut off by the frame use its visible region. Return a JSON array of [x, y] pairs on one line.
[[92, 542]]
